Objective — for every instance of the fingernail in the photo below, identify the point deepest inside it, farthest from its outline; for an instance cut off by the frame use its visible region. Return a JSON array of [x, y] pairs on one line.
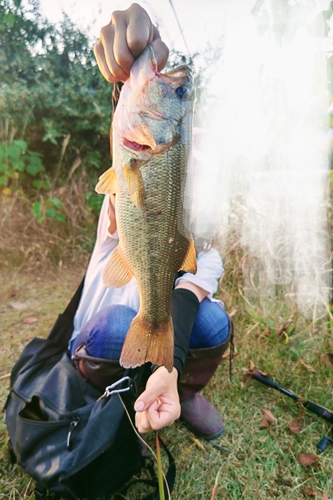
[[139, 406]]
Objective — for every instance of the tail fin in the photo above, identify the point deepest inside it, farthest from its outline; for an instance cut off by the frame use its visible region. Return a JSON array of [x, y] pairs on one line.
[[144, 344]]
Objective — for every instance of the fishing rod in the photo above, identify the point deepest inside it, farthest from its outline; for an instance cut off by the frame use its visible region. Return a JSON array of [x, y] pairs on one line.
[[315, 408]]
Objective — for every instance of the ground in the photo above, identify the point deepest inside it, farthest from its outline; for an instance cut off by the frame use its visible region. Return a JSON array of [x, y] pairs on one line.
[[263, 463]]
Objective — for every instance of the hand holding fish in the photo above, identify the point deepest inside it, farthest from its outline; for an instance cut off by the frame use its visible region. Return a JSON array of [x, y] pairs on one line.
[[124, 39], [158, 406]]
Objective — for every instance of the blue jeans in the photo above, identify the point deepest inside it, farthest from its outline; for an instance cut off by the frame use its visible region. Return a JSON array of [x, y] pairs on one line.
[[105, 333]]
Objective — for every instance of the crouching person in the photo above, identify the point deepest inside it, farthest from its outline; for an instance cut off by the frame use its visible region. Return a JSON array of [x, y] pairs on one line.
[[202, 335]]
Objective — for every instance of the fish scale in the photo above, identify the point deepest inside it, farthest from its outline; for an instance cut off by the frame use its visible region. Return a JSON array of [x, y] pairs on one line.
[[153, 259], [151, 146]]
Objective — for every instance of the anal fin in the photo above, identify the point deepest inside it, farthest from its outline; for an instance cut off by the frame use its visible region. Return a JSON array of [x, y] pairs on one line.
[[144, 344], [117, 273]]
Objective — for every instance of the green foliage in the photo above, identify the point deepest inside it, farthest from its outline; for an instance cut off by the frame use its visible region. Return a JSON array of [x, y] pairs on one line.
[[52, 208], [50, 88], [94, 201], [16, 161]]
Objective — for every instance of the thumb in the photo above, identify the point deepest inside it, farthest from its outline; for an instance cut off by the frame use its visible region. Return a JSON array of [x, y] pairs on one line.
[[145, 400]]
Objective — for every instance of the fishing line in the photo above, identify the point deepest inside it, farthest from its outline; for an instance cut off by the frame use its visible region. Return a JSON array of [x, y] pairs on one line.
[[179, 26], [144, 442]]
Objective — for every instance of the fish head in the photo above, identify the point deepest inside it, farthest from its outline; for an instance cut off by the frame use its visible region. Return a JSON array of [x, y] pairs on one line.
[[153, 108]]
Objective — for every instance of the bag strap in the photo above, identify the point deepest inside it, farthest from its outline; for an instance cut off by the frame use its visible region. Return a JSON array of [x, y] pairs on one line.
[[74, 302]]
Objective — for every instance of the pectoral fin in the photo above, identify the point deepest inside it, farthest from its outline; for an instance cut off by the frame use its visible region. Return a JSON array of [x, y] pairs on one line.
[[107, 182], [134, 181], [190, 261], [117, 272]]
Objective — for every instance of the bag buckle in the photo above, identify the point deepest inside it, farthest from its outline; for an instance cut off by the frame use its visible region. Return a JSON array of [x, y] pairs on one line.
[[112, 389]]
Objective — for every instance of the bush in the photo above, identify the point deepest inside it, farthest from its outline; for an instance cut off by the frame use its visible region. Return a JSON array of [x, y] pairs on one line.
[[51, 95]]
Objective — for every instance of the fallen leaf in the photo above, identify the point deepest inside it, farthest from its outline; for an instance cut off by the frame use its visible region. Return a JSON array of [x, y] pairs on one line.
[[325, 496], [265, 335], [328, 359], [226, 355], [264, 423], [296, 426], [307, 459], [252, 365], [268, 419], [310, 492], [309, 368], [23, 305], [198, 443], [30, 320]]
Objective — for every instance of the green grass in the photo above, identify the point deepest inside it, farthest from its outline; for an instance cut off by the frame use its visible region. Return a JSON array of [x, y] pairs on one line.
[[38, 275], [263, 463]]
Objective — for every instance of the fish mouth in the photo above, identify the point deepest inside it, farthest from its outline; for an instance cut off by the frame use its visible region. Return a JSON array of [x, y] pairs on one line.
[[135, 146], [145, 148]]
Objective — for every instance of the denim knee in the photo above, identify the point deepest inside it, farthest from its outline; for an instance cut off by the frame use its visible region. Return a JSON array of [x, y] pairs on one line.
[[104, 334], [211, 326]]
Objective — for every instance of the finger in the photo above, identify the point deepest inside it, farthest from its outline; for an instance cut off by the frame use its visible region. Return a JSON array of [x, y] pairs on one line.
[[159, 418], [146, 399], [107, 40], [101, 61], [139, 30], [142, 422], [161, 51], [122, 53]]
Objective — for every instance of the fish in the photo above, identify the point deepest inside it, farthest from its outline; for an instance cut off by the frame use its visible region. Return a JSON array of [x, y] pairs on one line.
[[151, 137]]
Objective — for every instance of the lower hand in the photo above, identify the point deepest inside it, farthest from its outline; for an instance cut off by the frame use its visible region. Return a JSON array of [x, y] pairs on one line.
[[158, 406]]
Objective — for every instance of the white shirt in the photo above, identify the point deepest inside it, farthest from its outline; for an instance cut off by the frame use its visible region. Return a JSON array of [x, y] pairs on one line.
[[95, 295]]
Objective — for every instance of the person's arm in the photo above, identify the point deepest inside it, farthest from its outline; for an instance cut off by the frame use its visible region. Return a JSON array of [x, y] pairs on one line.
[[199, 292], [205, 281], [158, 406], [122, 41]]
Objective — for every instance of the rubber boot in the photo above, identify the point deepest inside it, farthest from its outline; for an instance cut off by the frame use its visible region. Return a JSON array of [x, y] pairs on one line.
[[196, 412]]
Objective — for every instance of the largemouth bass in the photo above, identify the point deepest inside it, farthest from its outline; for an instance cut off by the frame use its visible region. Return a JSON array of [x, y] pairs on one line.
[[152, 130]]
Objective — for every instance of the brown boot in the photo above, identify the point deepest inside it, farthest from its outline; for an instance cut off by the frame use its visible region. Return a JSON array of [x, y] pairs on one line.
[[97, 371], [196, 412]]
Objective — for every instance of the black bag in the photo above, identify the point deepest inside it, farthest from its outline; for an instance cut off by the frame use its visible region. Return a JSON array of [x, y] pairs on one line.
[[71, 441]]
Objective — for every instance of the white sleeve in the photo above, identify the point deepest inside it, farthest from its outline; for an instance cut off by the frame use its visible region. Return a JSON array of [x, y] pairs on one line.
[[209, 271]]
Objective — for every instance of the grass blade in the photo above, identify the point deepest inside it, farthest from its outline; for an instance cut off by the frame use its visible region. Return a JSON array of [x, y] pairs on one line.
[[214, 492], [159, 469]]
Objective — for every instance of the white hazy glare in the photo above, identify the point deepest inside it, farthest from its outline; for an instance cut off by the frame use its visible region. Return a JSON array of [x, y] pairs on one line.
[[264, 152]]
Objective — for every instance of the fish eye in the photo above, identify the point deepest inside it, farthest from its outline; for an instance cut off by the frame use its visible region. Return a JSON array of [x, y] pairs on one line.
[[181, 91]]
